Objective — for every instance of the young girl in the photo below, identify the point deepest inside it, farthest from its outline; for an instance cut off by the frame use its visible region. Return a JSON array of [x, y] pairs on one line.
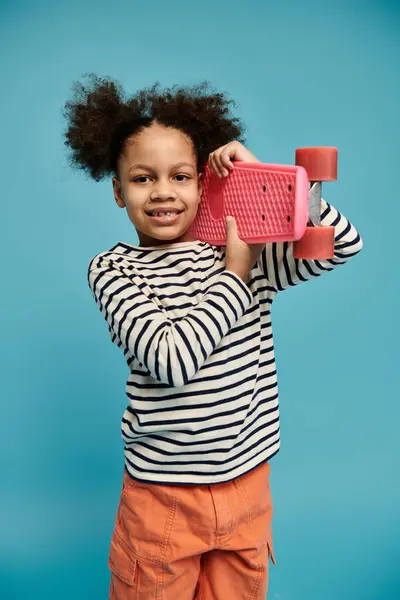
[[194, 324]]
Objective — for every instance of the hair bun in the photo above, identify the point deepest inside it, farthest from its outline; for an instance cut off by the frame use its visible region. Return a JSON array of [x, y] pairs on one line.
[[94, 115]]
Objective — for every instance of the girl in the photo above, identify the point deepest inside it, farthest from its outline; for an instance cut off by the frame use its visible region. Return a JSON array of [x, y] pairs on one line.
[[194, 324]]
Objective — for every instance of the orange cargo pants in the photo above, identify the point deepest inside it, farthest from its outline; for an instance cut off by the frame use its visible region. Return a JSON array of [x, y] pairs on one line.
[[209, 542]]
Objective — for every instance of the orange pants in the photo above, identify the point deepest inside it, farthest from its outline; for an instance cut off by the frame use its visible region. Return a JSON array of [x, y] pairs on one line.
[[209, 542]]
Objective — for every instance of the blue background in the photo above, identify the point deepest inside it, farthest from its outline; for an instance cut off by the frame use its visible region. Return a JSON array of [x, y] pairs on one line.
[[302, 73]]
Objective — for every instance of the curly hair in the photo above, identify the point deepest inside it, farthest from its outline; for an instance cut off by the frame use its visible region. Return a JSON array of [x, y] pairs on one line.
[[101, 119]]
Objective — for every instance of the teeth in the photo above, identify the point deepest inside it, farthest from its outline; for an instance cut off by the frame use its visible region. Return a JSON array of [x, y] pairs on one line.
[[161, 214]]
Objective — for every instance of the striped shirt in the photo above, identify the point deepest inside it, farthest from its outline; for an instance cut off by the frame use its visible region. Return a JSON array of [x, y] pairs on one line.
[[202, 387]]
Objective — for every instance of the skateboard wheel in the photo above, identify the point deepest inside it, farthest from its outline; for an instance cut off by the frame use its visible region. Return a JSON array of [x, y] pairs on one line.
[[320, 162], [316, 244]]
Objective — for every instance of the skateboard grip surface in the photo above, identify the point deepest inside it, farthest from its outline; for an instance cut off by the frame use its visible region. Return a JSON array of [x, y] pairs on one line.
[[269, 203]]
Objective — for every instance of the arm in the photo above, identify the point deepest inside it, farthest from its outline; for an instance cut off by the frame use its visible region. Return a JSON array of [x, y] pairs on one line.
[[172, 351], [284, 271]]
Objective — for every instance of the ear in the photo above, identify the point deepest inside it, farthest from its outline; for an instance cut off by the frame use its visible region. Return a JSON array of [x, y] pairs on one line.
[[118, 192]]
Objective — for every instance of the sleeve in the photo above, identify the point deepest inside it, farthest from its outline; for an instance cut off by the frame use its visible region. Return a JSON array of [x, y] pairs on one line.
[[172, 351], [282, 270]]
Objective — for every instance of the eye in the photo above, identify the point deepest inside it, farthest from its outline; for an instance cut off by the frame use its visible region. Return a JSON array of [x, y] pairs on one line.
[[140, 179], [184, 176]]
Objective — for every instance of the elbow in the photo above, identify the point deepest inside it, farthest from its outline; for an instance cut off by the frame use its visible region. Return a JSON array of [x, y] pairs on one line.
[[170, 380], [358, 246], [176, 372], [174, 379], [179, 380], [349, 249]]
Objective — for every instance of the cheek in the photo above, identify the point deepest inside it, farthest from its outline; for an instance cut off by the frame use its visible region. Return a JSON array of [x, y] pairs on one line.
[[195, 198], [135, 202], [136, 214]]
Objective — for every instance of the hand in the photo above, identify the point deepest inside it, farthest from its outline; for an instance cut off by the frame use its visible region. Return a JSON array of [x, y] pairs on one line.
[[220, 161], [239, 256]]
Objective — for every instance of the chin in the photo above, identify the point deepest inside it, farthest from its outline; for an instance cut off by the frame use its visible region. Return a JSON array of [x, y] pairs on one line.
[[167, 235]]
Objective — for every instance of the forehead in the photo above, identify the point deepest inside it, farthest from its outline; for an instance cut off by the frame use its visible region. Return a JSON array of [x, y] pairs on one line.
[[158, 146]]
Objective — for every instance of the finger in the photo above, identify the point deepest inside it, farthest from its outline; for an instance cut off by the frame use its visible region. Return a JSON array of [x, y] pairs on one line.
[[231, 149], [226, 162], [237, 151], [231, 227], [212, 165], [217, 161]]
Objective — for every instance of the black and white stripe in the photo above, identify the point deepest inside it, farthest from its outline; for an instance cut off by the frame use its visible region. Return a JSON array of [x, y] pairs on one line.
[[202, 387]]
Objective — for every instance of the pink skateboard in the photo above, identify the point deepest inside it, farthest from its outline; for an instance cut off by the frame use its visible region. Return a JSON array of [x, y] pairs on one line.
[[271, 203]]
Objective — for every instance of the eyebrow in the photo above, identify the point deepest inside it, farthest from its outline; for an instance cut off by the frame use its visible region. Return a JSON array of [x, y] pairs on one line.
[[147, 168]]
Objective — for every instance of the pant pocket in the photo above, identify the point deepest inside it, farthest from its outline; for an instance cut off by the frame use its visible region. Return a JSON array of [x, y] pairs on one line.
[[123, 568], [256, 508]]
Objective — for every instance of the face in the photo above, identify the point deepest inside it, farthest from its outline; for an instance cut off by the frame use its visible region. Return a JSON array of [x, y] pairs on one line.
[[158, 184]]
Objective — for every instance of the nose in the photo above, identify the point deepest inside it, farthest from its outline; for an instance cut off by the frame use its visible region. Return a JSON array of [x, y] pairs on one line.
[[162, 191]]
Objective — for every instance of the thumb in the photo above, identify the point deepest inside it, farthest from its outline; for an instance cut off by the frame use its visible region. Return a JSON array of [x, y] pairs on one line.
[[231, 227]]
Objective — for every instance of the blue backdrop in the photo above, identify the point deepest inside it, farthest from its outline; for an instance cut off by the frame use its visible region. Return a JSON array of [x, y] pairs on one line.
[[303, 73]]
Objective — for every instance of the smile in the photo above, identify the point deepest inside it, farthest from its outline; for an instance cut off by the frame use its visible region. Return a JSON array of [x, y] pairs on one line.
[[165, 217], [164, 214]]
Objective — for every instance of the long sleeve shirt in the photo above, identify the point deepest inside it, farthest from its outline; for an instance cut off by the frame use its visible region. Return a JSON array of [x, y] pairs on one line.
[[202, 387]]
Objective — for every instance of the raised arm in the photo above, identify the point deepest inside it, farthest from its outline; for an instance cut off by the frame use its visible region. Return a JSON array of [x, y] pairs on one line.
[[283, 270]]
